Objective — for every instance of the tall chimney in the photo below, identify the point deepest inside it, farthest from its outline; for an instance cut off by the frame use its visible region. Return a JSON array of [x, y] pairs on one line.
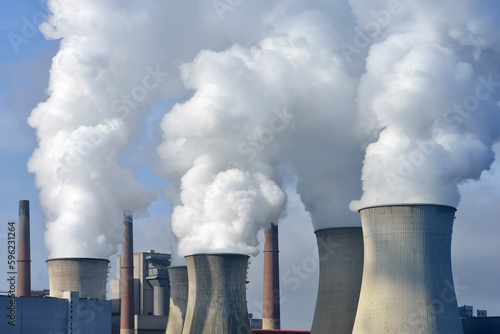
[[340, 273], [24, 257], [178, 277], [217, 294], [127, 277], [407, 278], [271, 300], [86, 275]]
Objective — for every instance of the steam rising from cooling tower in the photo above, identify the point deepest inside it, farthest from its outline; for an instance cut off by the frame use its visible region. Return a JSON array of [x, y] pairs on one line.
[[217, 294], [271, 93], [432, 88]]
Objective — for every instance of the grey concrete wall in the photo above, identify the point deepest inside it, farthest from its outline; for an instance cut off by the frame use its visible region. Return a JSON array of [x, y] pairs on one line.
[[340, 273], [407, 279], [178, 299], [217, 294], [86, 275]]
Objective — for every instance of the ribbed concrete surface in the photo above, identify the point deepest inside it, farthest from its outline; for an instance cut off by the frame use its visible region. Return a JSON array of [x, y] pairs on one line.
[[85, 275], [407, 283], [178, 277], [217, 294], [340, 272]]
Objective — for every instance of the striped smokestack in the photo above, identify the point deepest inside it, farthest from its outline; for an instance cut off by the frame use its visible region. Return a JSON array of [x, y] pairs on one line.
[[127, 277], [24, 257], [271, 300]]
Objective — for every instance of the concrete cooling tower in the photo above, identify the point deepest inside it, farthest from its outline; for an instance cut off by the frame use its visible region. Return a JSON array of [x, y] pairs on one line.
[[178, 299], [217, 294], [85, 275], [407, 283], [340, 273]]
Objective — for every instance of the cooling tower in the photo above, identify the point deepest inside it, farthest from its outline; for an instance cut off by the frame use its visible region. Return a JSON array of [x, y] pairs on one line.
[[178, 299], [271, 286], [217, 294], [407, 280], [340, 273], [85, 275], [127, 277], [24, 257]]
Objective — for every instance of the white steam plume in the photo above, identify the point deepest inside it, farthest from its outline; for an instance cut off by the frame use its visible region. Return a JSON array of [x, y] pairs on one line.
[[98, 86], [115, 58], [287, 100], [432, 83]]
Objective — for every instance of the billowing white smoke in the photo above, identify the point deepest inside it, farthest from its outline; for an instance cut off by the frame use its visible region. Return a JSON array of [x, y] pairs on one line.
[[115, 59], [289, 88], [287, 100], [431, 82], [98, 85]]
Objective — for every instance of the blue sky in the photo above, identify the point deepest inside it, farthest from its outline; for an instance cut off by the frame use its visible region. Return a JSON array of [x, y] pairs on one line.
[[24, 74]]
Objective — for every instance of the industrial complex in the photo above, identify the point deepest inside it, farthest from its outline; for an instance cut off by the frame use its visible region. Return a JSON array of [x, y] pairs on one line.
[[398, 262]]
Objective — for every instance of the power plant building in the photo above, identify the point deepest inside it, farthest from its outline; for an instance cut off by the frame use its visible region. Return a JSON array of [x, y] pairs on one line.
[[151, 292], [49, 315]]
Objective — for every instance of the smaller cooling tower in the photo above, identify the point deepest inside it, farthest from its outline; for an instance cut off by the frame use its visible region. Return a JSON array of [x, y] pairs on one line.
[[217, 294], [340, 273], [85, 275], [407, 279], [178, 277]]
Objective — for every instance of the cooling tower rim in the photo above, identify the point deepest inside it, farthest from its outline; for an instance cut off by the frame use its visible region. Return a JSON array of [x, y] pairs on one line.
[[408, 205], [338, 228], [179, 266], [76, 259], [217, 254]]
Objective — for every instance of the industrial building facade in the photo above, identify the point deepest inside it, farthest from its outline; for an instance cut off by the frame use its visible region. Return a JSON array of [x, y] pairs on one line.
[[48, 315], [151, 292]]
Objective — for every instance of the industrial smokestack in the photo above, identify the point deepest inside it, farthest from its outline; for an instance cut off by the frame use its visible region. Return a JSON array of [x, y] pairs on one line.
[[127, 277], [271, 300], [24, 255], [340, 273], [85, 275], [217, 294], [178, 277], [407, 279]]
